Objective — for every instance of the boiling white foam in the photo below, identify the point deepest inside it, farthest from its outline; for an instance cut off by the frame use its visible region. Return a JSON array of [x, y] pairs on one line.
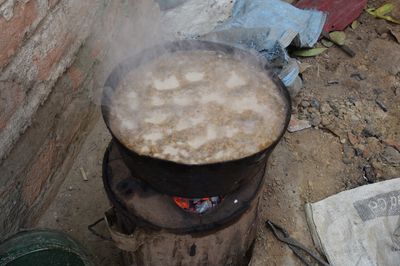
[[153, 136], [194, 76], [156, 118], [228, 110], [169, 83], [235, 80]]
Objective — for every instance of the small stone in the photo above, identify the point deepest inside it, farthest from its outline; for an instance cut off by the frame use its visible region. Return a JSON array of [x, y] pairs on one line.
[[325, 121], [369, 174], [70, 188], [346, 161], [325, 108], [316, 120], [296, 125], [397, 91], [332, 82], [358, 76], [391, 155], [382, 105], [365, 151], [312, 110], [359, 152], [348, 151], [305, 104], [343, 141], [315, 103], [384, 35], [352, 138], [377, 91], [352, 99], [354, 118], [393, 143], [371, 131]]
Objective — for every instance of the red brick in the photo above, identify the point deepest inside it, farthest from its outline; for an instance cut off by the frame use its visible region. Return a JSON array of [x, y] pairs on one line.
[[38, 173], [52, 58], [53, 3], [98, 47], [12, 32], [76, 76], [11, 97]]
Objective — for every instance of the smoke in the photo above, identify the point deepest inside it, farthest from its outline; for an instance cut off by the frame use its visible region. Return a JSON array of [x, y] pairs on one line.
[[144, 25]]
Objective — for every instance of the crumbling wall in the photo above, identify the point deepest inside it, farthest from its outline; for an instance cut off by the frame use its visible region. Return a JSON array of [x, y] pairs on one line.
[[49, 72]]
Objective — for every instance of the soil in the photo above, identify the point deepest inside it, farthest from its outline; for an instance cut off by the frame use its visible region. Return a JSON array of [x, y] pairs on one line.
[[354, 107]]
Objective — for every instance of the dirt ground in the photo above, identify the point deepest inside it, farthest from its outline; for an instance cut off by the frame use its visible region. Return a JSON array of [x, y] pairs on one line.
[[354, 107]]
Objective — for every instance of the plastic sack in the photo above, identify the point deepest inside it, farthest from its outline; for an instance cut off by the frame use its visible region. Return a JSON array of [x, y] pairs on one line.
[[359, 227], [270, 26]]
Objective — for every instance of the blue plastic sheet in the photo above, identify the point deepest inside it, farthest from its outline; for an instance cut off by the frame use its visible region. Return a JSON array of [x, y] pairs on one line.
[[270, 26]]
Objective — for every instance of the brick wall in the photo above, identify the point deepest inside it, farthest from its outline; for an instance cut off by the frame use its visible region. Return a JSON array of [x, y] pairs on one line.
[[50, 54]]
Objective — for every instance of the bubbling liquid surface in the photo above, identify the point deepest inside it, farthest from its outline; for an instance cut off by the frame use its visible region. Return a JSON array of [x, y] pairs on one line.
[[198, 107]]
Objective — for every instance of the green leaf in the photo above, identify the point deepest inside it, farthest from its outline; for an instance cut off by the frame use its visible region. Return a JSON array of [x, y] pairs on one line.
[[355, 24], [326, 43], [391, 19], [338, 37], [309, 52], [382, 12]]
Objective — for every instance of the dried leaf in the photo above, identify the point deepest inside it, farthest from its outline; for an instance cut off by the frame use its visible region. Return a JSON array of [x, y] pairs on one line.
[[355, 24], [382, 12], [309, 52], [304, 67], [338, 37], [327, 43], [396, 35]]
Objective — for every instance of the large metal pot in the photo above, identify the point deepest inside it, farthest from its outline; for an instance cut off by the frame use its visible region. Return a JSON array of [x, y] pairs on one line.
[[190, 181]]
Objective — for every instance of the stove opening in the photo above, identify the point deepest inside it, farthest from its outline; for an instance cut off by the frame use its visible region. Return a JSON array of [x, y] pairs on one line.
[[198, 206]]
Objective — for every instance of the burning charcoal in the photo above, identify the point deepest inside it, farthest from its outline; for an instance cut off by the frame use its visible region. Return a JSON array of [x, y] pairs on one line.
[[197, 205], [204, 206]]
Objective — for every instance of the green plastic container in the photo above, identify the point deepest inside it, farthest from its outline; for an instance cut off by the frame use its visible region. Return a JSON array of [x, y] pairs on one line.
[[42, 248]]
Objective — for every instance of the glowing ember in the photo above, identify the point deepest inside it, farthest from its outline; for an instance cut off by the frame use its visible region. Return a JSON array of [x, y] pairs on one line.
[[197, 205]]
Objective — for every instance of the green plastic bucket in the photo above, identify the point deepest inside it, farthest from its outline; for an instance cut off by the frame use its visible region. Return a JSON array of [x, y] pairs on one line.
[[42, 248]]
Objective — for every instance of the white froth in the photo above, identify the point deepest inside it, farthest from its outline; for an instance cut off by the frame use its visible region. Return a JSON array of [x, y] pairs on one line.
[[128, 124], [153, 136], [182, 100], [190, 122], [156, 118], [235, 81], [249, 103], [157, 101], [194, 76], [169, 83], [211, 133], [231, 131], [183, 124], [213, 97], [171, 150], [198, 141]]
